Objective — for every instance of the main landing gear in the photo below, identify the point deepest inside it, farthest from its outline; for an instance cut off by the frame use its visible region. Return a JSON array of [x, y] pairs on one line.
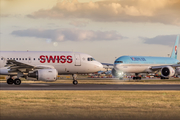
[[136, 77], [75, 82], [10, 81], [163, 77]]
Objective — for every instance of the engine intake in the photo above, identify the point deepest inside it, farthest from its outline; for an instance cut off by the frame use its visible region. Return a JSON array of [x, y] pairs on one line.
[[167, 71]]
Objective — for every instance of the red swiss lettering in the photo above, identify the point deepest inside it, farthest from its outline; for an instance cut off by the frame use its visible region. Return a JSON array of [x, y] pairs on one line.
[[51, 58], [69, 59], [42, 59], [63, 59], [57, 59]]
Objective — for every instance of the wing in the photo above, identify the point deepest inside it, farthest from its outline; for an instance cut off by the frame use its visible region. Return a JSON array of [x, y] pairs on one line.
[[107, 66], [159, 67], [16, 66]]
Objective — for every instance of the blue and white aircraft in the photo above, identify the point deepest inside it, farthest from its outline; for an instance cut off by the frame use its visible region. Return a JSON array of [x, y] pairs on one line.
[[145, 64]]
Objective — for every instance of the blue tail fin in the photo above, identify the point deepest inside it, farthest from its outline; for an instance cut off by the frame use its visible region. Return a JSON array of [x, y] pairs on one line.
[[175, 48]]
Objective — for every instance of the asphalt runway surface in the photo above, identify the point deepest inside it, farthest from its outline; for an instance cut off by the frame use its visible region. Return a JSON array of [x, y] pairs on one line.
[[58, 86]]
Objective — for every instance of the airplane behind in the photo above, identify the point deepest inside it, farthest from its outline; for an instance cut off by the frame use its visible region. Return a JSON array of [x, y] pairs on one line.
[[45, 66], [145, 64]]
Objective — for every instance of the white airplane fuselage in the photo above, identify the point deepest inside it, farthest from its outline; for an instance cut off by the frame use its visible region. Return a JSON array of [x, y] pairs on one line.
[[63, 62]]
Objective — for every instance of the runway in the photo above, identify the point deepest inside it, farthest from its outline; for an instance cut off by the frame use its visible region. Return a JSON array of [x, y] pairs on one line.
[[57, 86]]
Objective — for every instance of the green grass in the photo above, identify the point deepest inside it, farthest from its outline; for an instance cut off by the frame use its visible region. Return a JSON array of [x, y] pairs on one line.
[[90, 105]]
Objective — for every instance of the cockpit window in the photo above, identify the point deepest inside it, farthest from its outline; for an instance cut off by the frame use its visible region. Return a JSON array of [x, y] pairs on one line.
[[90, 59], [118, 61]]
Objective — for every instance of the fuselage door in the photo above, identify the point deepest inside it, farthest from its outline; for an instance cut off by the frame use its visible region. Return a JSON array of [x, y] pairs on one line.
[[77, 60]]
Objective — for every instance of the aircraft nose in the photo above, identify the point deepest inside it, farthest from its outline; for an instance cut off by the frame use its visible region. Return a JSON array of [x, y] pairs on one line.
[[100, 66], [116, 66]]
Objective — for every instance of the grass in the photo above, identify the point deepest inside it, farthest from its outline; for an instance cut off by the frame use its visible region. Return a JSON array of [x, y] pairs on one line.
[[90, 105]]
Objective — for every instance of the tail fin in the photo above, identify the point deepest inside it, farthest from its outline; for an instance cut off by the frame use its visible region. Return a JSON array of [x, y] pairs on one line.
[[175, 48]]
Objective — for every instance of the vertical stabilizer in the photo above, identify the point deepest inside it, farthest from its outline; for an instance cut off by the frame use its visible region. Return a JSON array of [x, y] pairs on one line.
[[175, 48]]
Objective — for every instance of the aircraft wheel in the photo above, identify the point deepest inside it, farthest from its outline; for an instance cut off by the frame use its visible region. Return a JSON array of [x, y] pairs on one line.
[[10, 81], [17, 81], [75, 82]]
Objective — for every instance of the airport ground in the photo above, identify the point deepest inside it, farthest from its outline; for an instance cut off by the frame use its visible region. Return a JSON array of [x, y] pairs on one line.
[[91, 105], [85, 80]]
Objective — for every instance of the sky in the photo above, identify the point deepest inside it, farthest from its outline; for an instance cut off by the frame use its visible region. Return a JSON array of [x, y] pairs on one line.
[[105, 29]]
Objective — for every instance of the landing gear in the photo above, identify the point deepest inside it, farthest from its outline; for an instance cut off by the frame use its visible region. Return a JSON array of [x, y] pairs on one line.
[[17, 81], [164, 78], [75, 82], [10, 81], [136, 78]]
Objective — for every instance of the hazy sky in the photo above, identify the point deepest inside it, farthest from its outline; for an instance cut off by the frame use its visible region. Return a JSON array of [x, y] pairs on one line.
[[104, 29]]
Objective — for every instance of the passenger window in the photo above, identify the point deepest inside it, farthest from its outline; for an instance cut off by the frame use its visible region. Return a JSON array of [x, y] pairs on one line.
[[25, 58], [22, 58], [16, 58], [19, 58], [34, 59], [1, 58], [29, 58], [13, 58]]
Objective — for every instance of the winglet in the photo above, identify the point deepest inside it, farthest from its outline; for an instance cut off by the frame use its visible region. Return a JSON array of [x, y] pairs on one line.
[[175, 48]]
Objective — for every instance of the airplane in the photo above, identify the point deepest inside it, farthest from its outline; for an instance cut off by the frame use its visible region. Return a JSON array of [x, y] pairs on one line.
[[45, 66], [104, 72], [146, 64]]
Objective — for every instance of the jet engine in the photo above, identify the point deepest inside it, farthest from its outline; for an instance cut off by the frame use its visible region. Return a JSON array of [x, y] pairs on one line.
[[178, 71], [114, 72], [44, 74], [167, 72]]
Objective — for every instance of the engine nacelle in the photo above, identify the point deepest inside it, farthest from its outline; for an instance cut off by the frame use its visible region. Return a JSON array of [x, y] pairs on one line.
[[167, 72], [114, 72], [44, 74], [178, 71]]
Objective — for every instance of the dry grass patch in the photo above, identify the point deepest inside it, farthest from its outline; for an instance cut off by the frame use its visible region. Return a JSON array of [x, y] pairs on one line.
[[90, 104]]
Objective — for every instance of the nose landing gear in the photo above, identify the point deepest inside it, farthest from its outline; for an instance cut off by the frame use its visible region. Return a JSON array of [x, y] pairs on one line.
[[75, 82]]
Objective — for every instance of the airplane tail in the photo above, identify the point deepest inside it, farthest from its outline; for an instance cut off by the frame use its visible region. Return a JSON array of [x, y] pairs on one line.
[[175, 48]]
